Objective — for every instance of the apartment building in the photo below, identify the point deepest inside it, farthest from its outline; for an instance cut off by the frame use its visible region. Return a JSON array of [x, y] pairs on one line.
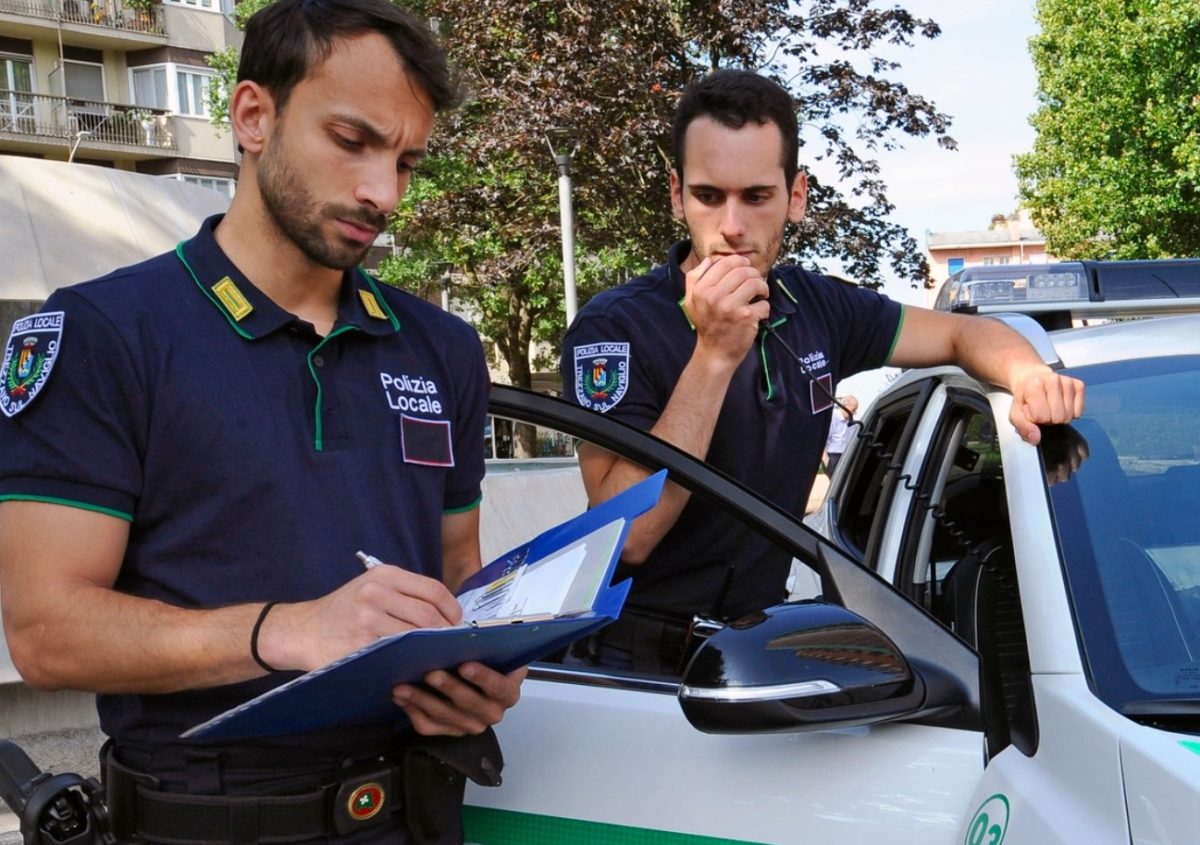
[[1009, 239], [116, 83]]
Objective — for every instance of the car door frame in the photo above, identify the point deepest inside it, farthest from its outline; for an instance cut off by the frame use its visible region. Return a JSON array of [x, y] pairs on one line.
[[941, 658]]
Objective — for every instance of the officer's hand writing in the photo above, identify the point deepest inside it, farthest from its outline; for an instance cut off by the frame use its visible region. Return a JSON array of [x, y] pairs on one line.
[[464, 703], [382, 601], [726, 298], [1042, 396]]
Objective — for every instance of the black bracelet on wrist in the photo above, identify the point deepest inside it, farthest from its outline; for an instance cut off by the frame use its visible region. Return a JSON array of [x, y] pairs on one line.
[[262, 615]]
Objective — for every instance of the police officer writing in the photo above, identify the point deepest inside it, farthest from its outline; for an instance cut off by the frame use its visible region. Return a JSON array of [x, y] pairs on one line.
[[732, 357], [216, 431]]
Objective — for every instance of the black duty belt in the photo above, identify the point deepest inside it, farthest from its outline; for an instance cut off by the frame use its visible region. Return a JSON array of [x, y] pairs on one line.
[[426, 779], [360, 797]]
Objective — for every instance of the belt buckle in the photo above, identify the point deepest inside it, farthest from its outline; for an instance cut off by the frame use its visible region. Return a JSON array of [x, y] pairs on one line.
[[366, 796]]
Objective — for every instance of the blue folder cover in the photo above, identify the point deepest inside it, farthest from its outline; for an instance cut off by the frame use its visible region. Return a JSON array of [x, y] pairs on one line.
[[358, 687]]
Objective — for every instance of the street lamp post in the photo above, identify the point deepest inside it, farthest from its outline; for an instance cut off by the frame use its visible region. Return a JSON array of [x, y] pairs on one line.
[[562, 144], [445, 271]]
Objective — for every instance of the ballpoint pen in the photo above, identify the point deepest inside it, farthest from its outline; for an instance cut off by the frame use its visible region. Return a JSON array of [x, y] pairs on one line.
[[369, 561]]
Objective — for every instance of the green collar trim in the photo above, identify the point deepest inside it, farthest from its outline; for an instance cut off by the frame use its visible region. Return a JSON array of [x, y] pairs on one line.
[[686, 315], [265, 316], [211, 296], [379, 297], [762, 351], [786, 291]]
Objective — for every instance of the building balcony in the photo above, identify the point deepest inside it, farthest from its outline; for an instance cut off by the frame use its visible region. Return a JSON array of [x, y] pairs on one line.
[[32, 121], [96, 23]]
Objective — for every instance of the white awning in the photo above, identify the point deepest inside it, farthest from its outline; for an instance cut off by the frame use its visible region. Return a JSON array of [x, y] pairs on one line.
[[64, 223]]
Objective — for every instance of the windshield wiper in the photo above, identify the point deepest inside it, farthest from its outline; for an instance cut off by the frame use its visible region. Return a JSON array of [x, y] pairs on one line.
[[1161, 707]]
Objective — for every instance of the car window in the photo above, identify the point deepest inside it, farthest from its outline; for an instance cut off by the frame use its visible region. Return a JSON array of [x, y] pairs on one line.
[[1129, 538], [873, 474], [960, 505]]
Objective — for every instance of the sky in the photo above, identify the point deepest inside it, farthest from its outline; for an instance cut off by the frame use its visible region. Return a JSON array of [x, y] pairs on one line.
[[979, 72]]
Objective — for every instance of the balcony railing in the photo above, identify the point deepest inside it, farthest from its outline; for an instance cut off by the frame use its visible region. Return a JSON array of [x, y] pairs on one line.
[[107, 13], [46, 116]]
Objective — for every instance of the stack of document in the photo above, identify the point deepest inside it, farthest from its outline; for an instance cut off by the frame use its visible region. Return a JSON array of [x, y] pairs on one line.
[[527, 603]]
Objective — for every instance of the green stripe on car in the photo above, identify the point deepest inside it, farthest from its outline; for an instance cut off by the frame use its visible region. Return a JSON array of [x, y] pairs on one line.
[[486, 826]]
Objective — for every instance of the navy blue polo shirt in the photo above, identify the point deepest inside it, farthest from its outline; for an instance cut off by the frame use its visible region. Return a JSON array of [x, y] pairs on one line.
[[623, 356], [251, 456]]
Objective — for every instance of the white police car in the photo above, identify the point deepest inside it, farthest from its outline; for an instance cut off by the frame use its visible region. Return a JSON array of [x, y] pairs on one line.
[[1007, 642]]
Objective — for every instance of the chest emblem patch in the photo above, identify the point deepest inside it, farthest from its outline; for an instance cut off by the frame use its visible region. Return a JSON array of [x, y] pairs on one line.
[[28, 359], [601, 374], [820, 393]]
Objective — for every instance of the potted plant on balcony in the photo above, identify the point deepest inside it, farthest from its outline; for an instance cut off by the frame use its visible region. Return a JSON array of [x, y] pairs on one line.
[[142, 12]]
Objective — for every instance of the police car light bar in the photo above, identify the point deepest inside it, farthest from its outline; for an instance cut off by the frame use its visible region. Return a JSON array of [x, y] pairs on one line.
[[1078, 288]]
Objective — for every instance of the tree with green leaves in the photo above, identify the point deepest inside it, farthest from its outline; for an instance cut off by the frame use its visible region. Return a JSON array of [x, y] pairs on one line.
[[1115, 169], [611, 71]]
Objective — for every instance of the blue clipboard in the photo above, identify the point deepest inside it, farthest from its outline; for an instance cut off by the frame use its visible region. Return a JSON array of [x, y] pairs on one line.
[[358, 688]]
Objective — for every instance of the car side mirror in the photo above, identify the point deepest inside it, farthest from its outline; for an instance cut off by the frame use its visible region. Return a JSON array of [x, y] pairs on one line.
[[798, 667]]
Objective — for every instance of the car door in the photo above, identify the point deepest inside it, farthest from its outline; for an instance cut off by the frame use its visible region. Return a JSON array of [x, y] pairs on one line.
[[942, 533], [601, 756]]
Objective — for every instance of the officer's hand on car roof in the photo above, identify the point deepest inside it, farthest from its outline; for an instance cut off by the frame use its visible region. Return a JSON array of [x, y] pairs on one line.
[[1042, 396]]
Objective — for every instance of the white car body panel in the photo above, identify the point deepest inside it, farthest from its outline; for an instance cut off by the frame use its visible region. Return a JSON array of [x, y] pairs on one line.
[[1162, 786], [1070, 791], [629, 758]]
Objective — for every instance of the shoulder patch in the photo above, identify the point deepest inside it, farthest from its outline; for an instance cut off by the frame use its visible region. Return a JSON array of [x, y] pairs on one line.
[[601, 374], [28, 359]]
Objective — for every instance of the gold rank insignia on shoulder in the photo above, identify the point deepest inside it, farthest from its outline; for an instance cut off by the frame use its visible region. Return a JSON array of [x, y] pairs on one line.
[[233, 299], [372, 305]]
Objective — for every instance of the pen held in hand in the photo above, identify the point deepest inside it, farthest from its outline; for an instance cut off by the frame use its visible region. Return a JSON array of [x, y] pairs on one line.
[[369, 561]]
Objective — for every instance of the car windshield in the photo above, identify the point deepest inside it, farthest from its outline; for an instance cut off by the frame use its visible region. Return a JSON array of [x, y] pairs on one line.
[[1128, 528]]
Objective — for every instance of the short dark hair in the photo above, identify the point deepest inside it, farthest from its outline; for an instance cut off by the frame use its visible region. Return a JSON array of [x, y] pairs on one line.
[[733, 98], [285, 39]]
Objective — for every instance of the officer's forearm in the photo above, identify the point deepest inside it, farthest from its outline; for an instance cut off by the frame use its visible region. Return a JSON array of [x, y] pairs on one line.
[[122, 644], [67, 628]]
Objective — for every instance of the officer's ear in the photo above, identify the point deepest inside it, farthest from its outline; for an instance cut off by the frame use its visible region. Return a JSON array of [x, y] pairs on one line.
[[253, 116], [677, 195], [798, 199]]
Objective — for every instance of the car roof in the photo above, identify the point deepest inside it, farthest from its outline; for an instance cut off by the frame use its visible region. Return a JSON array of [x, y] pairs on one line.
[[1148, 337], [1154, 337]]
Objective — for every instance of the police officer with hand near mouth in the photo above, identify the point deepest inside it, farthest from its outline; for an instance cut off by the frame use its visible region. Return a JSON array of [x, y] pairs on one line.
[[732, 356]]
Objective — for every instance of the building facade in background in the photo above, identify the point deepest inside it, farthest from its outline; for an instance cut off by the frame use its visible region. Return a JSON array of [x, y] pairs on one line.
[[116, 83], [1010, 239]]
